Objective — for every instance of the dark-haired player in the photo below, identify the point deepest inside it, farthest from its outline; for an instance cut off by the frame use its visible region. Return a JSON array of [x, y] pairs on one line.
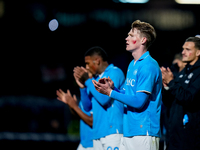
[[107, 113]]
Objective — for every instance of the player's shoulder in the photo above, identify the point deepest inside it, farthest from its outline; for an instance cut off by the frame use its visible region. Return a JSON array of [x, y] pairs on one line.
[[150, 67], [115, 69], [150, 63]]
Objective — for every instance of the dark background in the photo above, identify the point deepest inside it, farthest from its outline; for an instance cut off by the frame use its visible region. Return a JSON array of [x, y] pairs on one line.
[[35, 61], [28, 46]]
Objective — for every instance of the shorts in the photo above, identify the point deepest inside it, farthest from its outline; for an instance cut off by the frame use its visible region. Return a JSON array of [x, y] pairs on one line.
[[80, 147], [140, 143], [110, 142]]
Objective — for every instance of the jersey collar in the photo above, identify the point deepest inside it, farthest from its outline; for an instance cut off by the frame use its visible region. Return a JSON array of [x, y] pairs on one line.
[[109, 66], [145, 55]]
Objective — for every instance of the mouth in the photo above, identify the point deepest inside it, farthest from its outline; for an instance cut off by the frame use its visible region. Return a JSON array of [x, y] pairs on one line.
[[183, 56]]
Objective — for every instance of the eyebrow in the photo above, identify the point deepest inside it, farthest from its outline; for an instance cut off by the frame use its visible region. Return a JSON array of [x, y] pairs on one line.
[[130, 34], [186, 48]]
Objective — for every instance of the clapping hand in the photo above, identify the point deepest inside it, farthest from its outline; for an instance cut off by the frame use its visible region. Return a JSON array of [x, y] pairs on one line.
[[167, 76], [67, 98], [104, 86], [81, 74]]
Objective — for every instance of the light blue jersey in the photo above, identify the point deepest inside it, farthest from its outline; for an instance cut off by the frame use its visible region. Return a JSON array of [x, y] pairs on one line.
[[86, 138], [142, 97], [115, 108], [107, 113]]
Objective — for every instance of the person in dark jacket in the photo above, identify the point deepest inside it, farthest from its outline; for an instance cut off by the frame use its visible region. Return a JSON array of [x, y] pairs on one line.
[[182, 96]]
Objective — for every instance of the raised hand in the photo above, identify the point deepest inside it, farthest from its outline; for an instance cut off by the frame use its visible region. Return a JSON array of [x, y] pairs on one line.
[[167, 75], [80, 84], [81, 74], [67, 98], [103, 88], [71, 101], [61, 96], [111, 83]]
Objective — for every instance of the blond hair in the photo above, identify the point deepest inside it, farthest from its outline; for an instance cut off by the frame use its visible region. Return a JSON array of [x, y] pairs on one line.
[[146, 30]]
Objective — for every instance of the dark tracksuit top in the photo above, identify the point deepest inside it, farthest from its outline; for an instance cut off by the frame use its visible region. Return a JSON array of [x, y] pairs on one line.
[[183, 97]]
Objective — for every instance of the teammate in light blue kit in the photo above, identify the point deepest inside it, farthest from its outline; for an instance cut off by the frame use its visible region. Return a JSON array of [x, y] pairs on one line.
[[86, 140], [107, 113], [141, 94]]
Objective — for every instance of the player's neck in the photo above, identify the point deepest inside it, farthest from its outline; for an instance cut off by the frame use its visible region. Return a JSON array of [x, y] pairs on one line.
[[138, 53], [103, 67]]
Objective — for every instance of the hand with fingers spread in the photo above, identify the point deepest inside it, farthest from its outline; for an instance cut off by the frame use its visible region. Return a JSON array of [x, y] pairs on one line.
[[81, 74], [71, 101], [111, 83], [167, 76], [61, 96], [79, 83], [67, 98], [103, 86], [73, 105]]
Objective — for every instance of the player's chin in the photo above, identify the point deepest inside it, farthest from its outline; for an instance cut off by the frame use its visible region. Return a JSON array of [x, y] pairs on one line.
[[128, 49], [185, 60]]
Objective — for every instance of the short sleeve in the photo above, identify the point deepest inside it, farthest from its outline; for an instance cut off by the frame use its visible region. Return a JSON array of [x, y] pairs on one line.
[[147, 77]]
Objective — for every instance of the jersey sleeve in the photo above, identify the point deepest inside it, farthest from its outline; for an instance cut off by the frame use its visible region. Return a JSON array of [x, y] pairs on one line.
[[147, 77], [116, 76], [101, 98], [85, 99], [137, 101]]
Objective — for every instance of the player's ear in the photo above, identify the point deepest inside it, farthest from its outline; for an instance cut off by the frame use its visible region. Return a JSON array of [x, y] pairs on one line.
[[144, 40], [198, 53], [97, 61]]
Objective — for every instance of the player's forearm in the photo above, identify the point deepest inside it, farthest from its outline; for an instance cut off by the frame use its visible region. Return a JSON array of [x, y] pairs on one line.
[[101, 98], [87, 119], [87, 104], [120, 91], [136, 101]]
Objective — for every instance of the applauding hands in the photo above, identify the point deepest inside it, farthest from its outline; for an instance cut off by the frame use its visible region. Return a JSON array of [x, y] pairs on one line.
[[167, 76], [81, 75], [104, 85], [67, 98]]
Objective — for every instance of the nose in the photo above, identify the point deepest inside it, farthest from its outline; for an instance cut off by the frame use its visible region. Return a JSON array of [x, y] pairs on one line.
[[126, 38], [183, 52], [87, 67]]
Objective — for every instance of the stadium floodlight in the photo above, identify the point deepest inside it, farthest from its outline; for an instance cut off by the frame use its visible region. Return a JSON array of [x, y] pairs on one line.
[[133, 1], [188, 1]]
